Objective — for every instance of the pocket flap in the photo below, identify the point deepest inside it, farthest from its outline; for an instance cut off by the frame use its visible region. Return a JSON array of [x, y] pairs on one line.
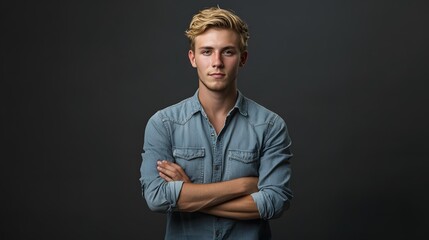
[[243, 156], [189, 153]]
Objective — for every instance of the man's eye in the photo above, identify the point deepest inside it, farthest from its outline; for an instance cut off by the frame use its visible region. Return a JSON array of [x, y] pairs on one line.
[[206, 52], [228, 53]]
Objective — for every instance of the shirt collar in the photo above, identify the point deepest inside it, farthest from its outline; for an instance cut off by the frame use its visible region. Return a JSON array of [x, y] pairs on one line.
[[240, 104]]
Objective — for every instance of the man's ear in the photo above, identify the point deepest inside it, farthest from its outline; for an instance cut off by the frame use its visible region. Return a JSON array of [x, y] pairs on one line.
[[243, 58], [191, 56]]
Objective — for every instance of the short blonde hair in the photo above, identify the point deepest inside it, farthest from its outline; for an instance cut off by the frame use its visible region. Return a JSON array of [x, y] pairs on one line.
[[216, 17]]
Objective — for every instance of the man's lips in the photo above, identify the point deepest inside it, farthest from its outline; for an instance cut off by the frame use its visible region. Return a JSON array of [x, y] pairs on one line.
[[216, 74]]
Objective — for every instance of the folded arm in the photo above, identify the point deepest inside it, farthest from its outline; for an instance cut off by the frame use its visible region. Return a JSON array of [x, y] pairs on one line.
[[229, 199], [241, 208]]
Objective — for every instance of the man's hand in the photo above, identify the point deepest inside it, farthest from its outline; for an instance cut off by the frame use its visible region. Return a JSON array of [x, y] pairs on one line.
[[171, 172], [229, 199]]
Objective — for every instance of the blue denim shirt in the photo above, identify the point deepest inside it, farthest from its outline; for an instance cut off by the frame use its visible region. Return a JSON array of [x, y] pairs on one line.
[[254, 142]]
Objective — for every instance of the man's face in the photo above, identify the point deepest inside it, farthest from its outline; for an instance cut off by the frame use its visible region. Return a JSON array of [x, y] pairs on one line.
[[217, 58]]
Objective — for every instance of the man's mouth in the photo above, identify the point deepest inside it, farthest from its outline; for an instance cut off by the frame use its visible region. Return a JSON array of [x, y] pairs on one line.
[[217, 75]]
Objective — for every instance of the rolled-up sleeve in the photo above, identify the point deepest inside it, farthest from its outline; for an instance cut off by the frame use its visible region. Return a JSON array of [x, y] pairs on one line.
[[274, 193], [160, 196]]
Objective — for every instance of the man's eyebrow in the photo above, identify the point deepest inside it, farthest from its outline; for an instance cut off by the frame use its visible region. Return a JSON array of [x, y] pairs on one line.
[[229, 47], [224, 48], [206, 47]]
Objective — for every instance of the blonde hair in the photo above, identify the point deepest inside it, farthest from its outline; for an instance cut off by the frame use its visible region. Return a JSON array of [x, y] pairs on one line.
[[215, 17]]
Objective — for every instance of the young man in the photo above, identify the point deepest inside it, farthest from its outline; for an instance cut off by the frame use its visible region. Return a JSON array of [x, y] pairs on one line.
[[217, 163]]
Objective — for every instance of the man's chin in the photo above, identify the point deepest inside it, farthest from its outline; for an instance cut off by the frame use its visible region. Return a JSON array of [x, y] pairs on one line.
[[217, 86]]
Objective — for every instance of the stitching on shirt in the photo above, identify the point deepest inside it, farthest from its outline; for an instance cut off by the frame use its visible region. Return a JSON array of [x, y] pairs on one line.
[[179, 106]]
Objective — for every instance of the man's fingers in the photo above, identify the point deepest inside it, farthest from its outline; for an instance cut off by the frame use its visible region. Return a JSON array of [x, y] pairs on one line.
[[169, 166], [165, 177], [178, 168], [167, 172], [172, 170], [172, 166]]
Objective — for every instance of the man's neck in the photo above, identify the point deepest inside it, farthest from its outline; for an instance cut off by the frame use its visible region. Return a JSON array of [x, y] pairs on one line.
[[217, 105]]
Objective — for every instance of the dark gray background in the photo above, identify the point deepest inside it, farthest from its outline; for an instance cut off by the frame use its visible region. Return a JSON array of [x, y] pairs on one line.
[[81, 78]]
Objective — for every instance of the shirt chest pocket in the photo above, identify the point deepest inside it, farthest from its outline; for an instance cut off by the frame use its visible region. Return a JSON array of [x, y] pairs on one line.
[[192, 162], [242, 163]]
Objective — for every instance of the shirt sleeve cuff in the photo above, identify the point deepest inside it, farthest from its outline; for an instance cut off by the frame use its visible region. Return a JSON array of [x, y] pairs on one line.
[[259, 199], [173, 192]]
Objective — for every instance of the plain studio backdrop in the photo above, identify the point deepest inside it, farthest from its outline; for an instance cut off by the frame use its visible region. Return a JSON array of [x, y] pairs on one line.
[[80, 79]]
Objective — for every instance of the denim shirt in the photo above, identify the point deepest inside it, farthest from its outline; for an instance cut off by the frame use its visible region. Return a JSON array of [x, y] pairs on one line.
[[254, 142]]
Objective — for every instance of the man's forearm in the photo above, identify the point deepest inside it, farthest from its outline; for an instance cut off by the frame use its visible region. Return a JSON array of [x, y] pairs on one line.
[[194, 197], [241, 208]]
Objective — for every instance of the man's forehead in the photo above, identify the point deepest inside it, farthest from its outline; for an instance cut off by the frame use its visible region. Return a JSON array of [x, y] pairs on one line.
[[215, 38]]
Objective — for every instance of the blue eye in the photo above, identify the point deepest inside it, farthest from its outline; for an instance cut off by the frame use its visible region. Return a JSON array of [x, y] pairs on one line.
[[228, 53]]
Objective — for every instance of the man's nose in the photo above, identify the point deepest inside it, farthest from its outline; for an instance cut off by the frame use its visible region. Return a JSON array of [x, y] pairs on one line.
[[217, 60]]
